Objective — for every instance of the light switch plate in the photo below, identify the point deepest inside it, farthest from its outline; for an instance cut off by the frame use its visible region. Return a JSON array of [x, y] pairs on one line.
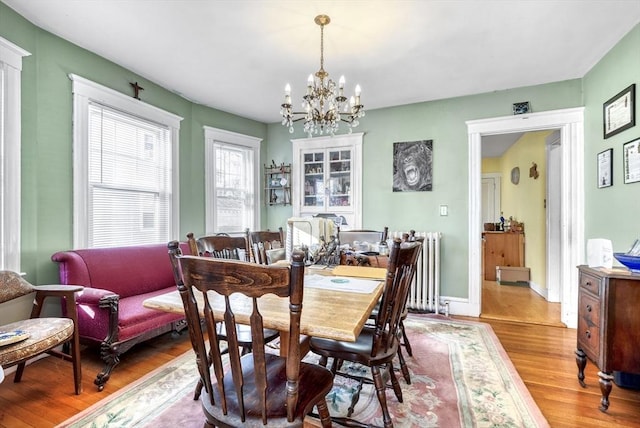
[[444, 210]]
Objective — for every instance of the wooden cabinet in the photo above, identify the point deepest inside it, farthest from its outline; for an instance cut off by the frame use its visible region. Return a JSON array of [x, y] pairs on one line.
[[608, 324], [277, 184], [502, 249], [327, 177]]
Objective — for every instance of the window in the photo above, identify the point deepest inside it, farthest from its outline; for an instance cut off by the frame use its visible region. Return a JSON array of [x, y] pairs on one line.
[[10, 132], [232, 184], [125, 183]]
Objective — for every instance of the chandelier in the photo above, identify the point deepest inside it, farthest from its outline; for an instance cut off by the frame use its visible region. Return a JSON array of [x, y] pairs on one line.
[[324, 105]]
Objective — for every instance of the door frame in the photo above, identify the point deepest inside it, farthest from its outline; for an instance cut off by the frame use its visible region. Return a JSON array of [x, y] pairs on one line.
[[570, 122]]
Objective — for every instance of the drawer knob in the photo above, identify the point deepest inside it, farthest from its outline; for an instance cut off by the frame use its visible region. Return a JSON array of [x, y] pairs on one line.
[[588, 283], [588, 334], [589, 308]]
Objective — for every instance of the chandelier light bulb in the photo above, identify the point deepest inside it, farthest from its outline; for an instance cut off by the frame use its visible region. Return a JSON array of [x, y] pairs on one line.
[[341, 82]]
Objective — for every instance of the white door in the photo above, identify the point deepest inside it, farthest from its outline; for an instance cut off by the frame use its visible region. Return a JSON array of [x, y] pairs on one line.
[[490, 198]]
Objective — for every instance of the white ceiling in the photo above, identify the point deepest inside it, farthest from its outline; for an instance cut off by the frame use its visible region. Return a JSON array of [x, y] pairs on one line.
[[238, 55]]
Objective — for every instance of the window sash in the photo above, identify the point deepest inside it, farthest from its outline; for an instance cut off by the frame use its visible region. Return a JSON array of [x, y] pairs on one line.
[[129, 179], [232, 196]]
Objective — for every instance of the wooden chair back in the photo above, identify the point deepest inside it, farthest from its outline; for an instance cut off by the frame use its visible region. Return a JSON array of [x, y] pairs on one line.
[[220, 246], [197, 276], [400, 272], [263, 245]]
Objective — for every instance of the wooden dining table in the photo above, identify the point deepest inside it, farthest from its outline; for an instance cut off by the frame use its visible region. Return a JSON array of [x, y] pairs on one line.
[[326, 312]]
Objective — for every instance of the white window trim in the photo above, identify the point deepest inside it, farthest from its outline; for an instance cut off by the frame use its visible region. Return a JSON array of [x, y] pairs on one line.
[[10, 146], [213, 135], [85, 91]]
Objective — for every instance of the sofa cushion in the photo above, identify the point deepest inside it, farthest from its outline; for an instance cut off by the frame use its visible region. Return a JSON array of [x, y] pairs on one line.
[[135, 319]]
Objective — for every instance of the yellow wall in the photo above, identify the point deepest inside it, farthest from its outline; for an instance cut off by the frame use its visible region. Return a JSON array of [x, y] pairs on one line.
[[491, 165], [525, 202]]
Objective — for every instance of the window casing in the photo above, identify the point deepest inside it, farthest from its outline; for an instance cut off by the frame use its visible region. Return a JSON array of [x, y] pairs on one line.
[[125, 169], [232, 196], [10, 134]]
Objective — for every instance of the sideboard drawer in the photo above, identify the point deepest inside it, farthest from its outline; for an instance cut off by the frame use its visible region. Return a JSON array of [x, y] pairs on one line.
[[589, 325], [590, 283]]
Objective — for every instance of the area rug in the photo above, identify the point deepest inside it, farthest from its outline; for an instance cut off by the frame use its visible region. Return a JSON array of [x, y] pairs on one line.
[[460, 377]]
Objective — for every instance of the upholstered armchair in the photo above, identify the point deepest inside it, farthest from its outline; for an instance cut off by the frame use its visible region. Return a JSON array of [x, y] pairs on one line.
[[29, 338]]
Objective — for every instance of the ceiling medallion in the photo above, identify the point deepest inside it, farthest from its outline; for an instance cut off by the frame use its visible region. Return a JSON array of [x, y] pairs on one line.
[[324, 105]]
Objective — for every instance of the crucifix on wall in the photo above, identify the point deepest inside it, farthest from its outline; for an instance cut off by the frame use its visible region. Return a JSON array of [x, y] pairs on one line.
[[136, 90]]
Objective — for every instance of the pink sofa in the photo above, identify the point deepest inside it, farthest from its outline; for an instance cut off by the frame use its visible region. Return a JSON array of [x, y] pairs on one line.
[[117, 281]]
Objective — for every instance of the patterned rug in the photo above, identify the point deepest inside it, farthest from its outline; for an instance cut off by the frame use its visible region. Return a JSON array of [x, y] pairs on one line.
[[460, 377]]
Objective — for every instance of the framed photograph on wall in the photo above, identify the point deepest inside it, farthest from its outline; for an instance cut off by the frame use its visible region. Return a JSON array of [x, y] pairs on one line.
[[619, 112], [605, 168], [413, 166], [631, 161]]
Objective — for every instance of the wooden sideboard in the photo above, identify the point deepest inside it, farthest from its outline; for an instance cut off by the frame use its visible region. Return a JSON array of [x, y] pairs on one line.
[[502, 249], [608, 324]]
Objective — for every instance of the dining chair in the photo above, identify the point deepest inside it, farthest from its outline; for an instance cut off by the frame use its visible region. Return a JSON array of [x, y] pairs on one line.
[[377, 346], [404, 368], [223, 246], [24, 339], [260, 388], [266, 246], [220, 246]]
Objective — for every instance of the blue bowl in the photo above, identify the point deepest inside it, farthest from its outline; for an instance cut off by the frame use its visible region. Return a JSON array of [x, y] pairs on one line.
[[631, 262]]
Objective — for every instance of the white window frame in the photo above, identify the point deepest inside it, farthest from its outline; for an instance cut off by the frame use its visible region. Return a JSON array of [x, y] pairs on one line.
[[85, 92], [10, 146], [215, 135]]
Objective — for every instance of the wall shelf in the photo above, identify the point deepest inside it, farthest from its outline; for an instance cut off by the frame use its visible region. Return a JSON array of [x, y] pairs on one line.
[[277, 184]]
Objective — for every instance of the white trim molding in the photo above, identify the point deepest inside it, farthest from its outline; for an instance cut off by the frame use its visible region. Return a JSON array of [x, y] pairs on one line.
[[570, 122], [84, 92], [10, 148]]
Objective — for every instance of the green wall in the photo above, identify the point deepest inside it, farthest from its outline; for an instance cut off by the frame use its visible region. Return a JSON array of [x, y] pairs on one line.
[[47, 143], [47, 189], [443, 122], [611, 212]]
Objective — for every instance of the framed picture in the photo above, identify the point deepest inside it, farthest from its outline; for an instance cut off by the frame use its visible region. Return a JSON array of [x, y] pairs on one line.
[[521, 108], [619, 112], [605, 168], [413, 166], [631, 161]]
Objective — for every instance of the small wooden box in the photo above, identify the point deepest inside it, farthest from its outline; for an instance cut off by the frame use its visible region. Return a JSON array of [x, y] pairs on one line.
[[512, 275]]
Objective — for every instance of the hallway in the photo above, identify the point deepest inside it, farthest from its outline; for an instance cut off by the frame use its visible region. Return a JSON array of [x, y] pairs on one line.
[[519, 304]]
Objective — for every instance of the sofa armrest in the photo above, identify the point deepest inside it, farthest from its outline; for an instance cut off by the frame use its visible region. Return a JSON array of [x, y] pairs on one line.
[[93, 296]]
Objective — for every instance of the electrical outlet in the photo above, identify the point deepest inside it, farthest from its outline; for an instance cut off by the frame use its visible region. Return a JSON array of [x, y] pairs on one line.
[[444, 210]]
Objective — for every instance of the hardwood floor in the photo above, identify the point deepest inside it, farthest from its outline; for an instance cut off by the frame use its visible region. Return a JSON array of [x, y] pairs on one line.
[[517, 303], [542, 354]]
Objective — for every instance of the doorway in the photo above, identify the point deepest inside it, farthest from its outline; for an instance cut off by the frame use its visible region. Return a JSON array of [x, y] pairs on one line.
[[570, 123], [518, 302]]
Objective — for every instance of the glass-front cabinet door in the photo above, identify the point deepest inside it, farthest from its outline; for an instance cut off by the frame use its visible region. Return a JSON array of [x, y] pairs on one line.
[[328, 174]]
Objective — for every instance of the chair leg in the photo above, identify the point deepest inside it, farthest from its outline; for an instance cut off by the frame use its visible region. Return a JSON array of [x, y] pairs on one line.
[[403, 366], [405, 339], [382, 397], [323, 361], [323, 411], [394, 382]]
